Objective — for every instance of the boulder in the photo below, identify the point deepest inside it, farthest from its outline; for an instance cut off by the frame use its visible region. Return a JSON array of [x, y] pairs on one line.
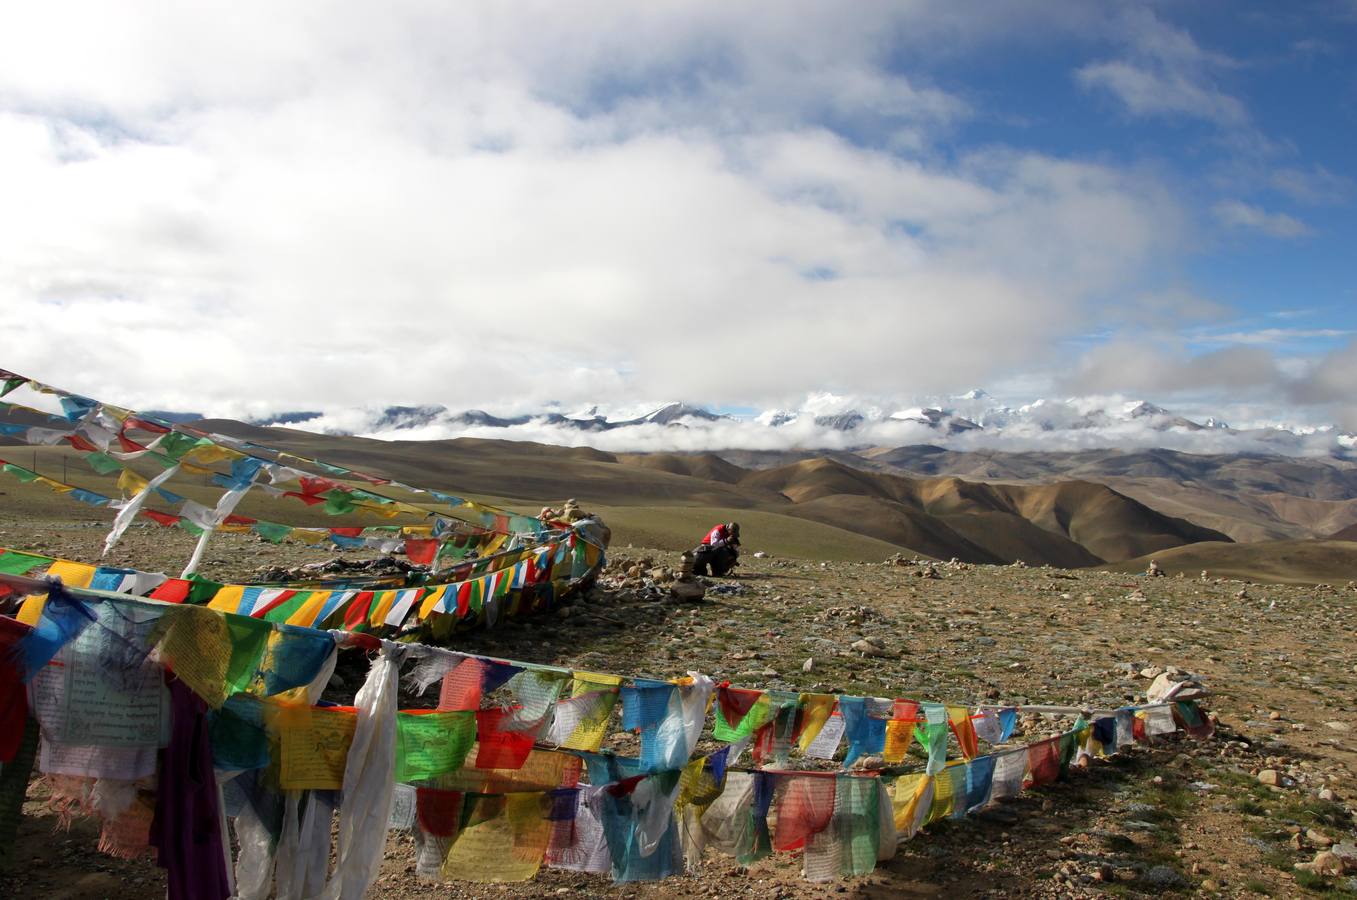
[[1174, 686], [688, 590], [868, 647]]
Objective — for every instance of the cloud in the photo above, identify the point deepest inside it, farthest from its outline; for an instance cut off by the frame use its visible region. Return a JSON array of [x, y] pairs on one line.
[[1331, 382], [1315, 185], [1263, 336], [256, 208], [1164, 73], [1238, 214], [1146, 92], [1079, 423], [1140, 365]]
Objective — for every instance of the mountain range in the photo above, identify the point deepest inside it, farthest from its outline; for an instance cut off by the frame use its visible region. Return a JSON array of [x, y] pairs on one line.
[[1069, 510], [971, 421]]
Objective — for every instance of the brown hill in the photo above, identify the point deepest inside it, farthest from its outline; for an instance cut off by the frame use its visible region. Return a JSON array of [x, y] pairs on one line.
[[707, 466], [1067, 524], [507, 469], [1249, 496], [1081, 523], [1346, 534], [1281, 562]]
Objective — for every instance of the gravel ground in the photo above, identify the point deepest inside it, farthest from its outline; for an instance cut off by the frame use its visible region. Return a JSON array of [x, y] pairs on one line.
[[1182, 817]]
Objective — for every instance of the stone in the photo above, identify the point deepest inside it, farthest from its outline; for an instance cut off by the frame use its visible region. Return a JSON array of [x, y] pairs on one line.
[[1165, 877], [808, 665], [1172, 683], [688, 591], [1317, 839], [1154, 571], [1272, 778], [1326, 862], [1338, 726], [868, 647]]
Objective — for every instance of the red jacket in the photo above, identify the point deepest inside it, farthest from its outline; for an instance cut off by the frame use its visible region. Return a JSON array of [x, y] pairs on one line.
[[717, 537]]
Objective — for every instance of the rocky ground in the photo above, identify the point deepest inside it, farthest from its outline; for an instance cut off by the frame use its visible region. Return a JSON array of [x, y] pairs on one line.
[[1230, 817]]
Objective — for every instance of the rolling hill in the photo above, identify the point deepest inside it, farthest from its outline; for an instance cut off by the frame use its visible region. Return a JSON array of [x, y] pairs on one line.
[[1067, 524], [1248, 496], [1282, 562], [847, 506]]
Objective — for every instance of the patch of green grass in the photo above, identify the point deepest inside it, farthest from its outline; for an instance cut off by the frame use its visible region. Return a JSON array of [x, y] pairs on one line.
[[1310, 811], [1310, 881], [1249, 807], [1258, 886], [1279, 859]]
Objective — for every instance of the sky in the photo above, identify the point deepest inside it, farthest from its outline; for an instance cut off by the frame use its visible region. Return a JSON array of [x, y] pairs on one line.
[[246, 208]]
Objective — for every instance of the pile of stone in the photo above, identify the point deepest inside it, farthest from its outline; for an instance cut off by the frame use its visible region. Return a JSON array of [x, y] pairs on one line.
[[642, 579], [381, 566]]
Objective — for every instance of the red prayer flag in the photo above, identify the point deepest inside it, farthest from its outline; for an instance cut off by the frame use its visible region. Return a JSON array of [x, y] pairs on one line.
[[420, 551], [500, 749], [172, 590], [166, 519], [438, 812]]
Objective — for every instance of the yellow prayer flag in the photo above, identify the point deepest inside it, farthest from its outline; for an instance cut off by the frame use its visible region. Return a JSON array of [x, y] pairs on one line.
[[381, 607], [944, 797], [815, 712], [132, 482], [911, 802], [72, 574], [206, 454], [593, 728], [308, 611], [55, 485], [315, 746], [430, 601], [227, 598], [504, 840]]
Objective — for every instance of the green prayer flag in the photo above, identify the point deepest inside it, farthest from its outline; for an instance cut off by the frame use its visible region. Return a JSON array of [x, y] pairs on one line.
[[202, 589], [758, 714], [248, 639], [102, 462], [432, 744], [338, 503], [12, 562], [284, 611], [19, 472], [175, 444], [10, 384], [1069, 745], [271, 531]]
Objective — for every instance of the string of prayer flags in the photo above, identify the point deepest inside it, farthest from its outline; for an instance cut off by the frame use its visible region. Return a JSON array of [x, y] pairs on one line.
[[197, 450], [488, 803]]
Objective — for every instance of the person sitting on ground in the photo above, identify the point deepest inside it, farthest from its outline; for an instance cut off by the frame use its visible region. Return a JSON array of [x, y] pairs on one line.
[[719, 550]]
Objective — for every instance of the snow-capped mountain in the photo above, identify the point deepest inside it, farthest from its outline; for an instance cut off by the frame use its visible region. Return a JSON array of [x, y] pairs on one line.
[[824, 421]]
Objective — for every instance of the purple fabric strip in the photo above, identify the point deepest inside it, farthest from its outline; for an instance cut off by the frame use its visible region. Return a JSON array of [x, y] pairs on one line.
[[186, 830]]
